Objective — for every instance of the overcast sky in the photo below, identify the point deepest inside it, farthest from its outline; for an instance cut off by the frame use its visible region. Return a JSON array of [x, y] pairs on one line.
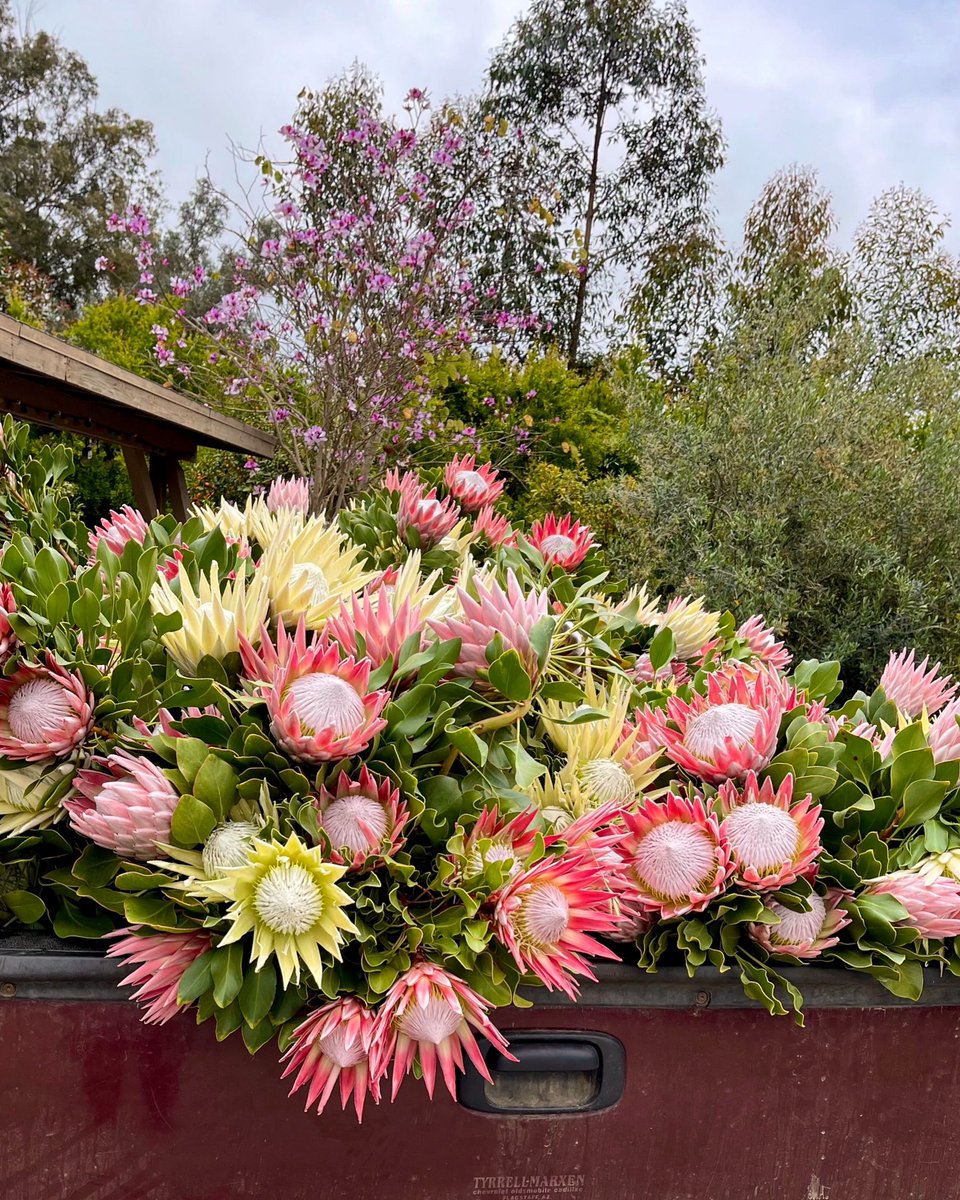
[[867, 91]]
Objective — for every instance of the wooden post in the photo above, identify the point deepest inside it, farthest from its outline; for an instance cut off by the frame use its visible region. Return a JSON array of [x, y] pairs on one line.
[[144, 492], [166, 471]]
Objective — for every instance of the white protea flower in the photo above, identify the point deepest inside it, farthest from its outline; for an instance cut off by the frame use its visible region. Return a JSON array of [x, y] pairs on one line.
[[693, 626], [23, 799], [228, 846]]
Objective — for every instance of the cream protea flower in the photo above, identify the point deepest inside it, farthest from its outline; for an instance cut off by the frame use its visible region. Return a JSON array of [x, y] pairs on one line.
[[214, 617], [544, 917], [943, 736], [363, 819], [160, 960], [8, 639], [913, 688], [511, 614], [675, 855], [333, 1045], [227, 846], [286, 895], [772, 840], [375, 626], [471, 486], [932, 902], [310, 567], [252, 523], [124, 803], [763, 645], [319, 704], [45, 712], [804, 934], [495, 527], [564, 543], [693, 626], [429, 1016], [292, 494], [119, 529], [947, 862], [731, 730], [424, 521], [24, 798]]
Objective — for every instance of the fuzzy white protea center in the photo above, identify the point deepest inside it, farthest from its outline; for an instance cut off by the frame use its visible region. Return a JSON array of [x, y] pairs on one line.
[[471, 484], [227, 846], [707, 733], [762, 835], [795, 928], [37, 708], [497, 852], [334, 1046], [432, 1022], [675, 859], [310, 582], [287, 899], [543, 916], [323, 701], [345, 819], [605, 779], [558, 544]]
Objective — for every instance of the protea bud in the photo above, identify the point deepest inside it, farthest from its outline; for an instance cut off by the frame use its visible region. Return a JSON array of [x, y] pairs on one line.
[[932, 903], [913, 687], [471, 486], [8, 639], [292, 494], [118, 530], [160, 960], [423, 521], [125, 804]]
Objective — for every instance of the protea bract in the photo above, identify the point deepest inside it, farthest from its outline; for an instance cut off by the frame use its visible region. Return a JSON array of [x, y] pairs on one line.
[[45, 712], [332, 1046], [125, 803]]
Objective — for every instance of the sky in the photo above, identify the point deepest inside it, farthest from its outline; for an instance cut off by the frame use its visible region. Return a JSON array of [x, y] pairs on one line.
[[866, 91]]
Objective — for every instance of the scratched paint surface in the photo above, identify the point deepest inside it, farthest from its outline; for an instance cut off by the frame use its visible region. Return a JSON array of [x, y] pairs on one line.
[[718, 1105]]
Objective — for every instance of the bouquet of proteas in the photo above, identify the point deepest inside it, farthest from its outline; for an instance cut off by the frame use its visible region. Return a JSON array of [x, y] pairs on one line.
[[352, 783]]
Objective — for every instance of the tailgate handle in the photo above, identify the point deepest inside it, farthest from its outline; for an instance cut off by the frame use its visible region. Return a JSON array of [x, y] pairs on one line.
[[545, 1056]]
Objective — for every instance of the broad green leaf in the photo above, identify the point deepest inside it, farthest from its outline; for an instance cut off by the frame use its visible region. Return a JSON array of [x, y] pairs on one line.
[[193, 821]]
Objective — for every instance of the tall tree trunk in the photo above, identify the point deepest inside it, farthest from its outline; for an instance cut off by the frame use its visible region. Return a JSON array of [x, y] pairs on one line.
[[584, 275]]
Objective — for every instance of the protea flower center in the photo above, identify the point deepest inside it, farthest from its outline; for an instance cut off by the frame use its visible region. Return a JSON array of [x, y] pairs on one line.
[[471, 483], [325, 701], [797, 927], [432, 1022], [287, 899], [356, 822], [499, 852], [675, 859], [309, 578], [557, 544], [707, 733], [36, 708], [605, 779], [543, 916], [334, 1046], [227, 846], [762, 835]]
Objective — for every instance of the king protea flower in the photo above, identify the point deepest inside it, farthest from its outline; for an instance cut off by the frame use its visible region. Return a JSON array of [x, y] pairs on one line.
[[693, 626], [286, 894], [118, 530], [772, 840], [429, 1015], [506, 841], [494, 527], [564, 543], [804, 934], [423, 521], [45, 712], [762, 643], [124, 803], [932, 902], [913, 687], [943, 736], [471, 486], [333, 1046], [376, 624], [675, 855], [8, 639], [363, 819], [292, 494], [159, 961]]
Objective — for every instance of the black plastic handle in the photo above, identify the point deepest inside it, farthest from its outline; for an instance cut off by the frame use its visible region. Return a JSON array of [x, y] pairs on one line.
[[545, 1056]]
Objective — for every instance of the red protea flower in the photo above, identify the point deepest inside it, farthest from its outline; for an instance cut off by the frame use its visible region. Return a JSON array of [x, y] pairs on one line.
[[45, 712], [731, 730], [564, 543], [424, 521], [292, 494], [511, 614], [363, 819], [117, 530], [932, 902], [333, 1044], [763, 645], [160, 960], [944, 735], [544, 916], [430, 1015], [409, 481], [913, 688], [472, 486], [675, 855], [510, 841], [376, 624], [8, 639], [319, 704], [772, 840], [125, 804], [494, 527], [804, 934]]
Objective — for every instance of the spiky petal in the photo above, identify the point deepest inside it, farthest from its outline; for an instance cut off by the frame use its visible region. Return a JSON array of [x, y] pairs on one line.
[[45, 712], [292, 494], [471, 486], [8, 639], [495, 527], [694, 627], [423, 521], [772, 840], [762, 643], [124, 803], [429, 1016], [159, 961], [363, 819], [564, 543], [914, 686], [804, 934], [118, 530], [944, 734], [333, 1046], [376, 624], [932, 902]]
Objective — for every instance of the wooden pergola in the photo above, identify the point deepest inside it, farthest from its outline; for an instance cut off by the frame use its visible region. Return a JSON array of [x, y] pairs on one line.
[[48, 382]]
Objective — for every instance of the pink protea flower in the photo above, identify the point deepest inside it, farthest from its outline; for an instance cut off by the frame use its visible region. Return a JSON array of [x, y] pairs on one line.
[[319, 703], [292, 494], [117, 530], [424, 521], [932, 904], [494, 527], [944, 736], [124, 804], [160, 960], [763, 645], [674, 672], [807, 934], [45, 712], [564, 543], [913, 688], [409, 481], [8, 639], [363, 819], [430, 1015], [511, 840], [333, 1044], [675, 855], [544, 916], [383, 624], [472, 486], [731, 730], [511, 613], [772, 840]]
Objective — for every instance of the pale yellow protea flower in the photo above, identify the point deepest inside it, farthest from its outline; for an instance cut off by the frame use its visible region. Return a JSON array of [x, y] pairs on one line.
[[253, 523], [286, 895], [946, 863], [641, 605], [213, 619], [228, 844], [693, 626], [560, 800], [23, 799], [311, 567], [407, 585]]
